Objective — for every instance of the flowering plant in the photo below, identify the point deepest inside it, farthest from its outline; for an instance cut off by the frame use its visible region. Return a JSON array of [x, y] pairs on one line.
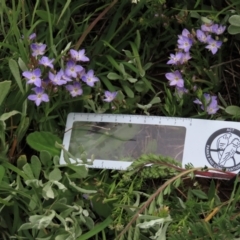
[[47, 78], [184, 76]]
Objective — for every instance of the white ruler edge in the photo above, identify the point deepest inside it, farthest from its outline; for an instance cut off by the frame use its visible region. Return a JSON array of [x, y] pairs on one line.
[[198, 132]]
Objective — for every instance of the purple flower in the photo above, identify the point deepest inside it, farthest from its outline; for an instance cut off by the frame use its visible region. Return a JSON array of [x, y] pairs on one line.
[[39, 97], [33, 77], [89, 78], [175, 79], [82, 73], [57, 79], [207, 27], [218, 29], [210, 106], [32, 36], [197, 101], [38, 49], [45, 61], [65, 77], [175, 59], [72, 69], [185, 43], [201, 36], [213, 45], [109, 96], [78, 55], [75, 89], [185, 33], [185, 57]]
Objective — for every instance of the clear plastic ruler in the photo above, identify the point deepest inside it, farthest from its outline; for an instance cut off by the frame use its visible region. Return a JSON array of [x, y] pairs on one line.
[[114, 141]]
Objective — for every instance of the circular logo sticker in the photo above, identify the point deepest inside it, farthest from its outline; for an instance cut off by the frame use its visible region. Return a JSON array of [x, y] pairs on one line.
[[223, 149]]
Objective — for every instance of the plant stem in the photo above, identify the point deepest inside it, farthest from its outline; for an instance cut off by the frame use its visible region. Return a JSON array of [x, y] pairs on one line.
[[159, 190]]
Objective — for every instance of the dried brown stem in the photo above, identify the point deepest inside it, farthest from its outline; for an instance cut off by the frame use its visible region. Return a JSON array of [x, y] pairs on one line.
[[90, 27]]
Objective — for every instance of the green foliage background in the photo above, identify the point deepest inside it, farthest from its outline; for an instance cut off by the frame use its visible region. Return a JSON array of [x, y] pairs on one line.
[[128, 45]]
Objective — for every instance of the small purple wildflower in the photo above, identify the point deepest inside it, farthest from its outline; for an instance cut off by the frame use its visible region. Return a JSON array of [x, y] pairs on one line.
[[89, 78], [175, 79], [175, 59], [72, 69], [33, 77], [82, 73], [206, 27], [79, 55], [109, 96], [210, 103], [39, 96], [38, 49], [32, 36], [185, 43], [57, 79], [65, 77], [75, 89], [201, 36], [185, 57], [218, 29], [213, 45], [185, 33], [45, 61], [197, 101]]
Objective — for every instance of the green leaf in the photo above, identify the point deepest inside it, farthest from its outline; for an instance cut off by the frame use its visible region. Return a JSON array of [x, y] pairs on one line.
[[98, 228], [21, 161], [128, 91], [81, 170], [114, 76], [44, 15], [28, 171], [22, 65], [4, 89], [138, 40], [16, 74], [66, 6], [138, 60], [46, 158], [128, 53], [132, 80], [44, 141], [113, 62], [140, 86], [199, 193], [233, 30], [212, 190], [147, 66], [78, 189], [235, 20], [56, 160], [25, 226], [2, 173], [55, 175], [155, 100], [206, 20], [47, 191], [233, 110], [181, 203], [36, 166], [5, 116]]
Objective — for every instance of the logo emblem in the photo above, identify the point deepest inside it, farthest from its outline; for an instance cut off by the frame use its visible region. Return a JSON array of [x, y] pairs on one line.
[[223, 149]]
